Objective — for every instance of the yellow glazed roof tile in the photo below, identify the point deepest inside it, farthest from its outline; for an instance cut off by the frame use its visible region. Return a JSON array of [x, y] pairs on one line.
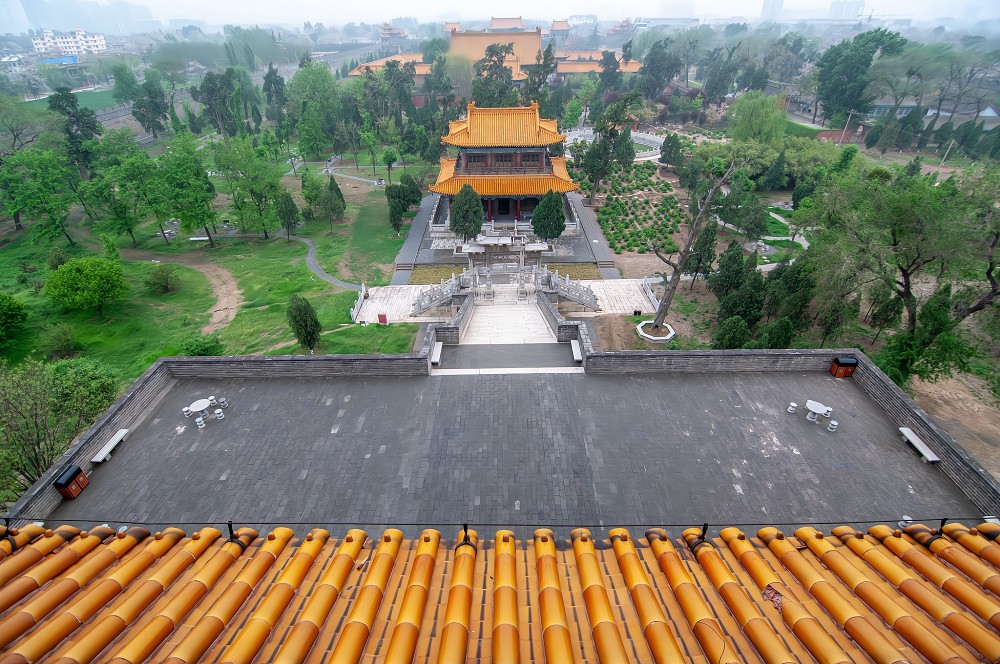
[[505, 185], [503, 127], [841, 597]]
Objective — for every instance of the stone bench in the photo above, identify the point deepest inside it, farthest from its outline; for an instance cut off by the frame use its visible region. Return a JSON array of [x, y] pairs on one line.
[[436, 353], [577, 352], [919, 445], [104, 453]]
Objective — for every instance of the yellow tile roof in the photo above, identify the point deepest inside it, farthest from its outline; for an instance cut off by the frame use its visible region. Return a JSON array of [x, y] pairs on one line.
[[422, 69], [507, 23], [587, 66], [351, 596], [471, 46], [503, 127], [560, 25], [505, 185]]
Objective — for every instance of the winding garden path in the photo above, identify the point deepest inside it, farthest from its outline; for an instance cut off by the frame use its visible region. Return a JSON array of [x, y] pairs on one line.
[[228, 297]]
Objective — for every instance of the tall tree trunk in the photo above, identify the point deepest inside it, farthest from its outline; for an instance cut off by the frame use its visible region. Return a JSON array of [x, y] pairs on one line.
[[163, 233], [211, 242], [135, 243], [17, 221], [62, 225], [100, 311], [265, 234]]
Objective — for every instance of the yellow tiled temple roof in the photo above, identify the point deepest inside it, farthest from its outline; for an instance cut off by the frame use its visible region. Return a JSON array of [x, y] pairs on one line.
[[503, 127], [503, 23], [505, 185], [352, 596], [422, 69], [471, 46], [560, 25], [588, 66]]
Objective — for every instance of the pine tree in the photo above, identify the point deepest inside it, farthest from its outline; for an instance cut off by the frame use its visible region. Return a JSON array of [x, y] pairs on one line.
[[466, 213], [335, 188], [549, 219], [303, 321], [732, 333], [703, 254], [730, 275]]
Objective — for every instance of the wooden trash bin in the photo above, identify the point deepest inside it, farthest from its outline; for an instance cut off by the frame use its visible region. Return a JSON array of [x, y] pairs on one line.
[[843, 367], [71, 482]]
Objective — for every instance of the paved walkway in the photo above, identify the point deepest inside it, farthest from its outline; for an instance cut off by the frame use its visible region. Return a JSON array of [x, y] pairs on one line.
[[506, 356], [620, 296], [396, 302], [407, 255], [506, 321], [595, 236]]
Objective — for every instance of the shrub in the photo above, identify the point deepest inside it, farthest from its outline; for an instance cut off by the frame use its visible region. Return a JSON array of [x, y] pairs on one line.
[[162, 278], [57, 257], [203, 346], [59, 340]]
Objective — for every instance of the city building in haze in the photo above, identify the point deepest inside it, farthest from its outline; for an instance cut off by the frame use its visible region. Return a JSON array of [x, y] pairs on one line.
[[771, 12], [73, 43]]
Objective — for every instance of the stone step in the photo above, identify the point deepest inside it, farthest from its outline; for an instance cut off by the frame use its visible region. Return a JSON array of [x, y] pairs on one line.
[[507, 322]]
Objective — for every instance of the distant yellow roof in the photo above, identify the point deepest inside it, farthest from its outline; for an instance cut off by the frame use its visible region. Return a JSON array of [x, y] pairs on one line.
[[472, 45], [513, 23], [422, 69], [452, 25], [505, 185], [560, 25], [587, 66], [503, 127]]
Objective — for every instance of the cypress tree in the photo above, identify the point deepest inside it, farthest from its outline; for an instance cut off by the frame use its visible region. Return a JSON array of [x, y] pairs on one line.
[[303, 321]]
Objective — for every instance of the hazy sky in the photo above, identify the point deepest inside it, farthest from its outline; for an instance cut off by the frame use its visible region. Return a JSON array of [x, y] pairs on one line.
[[343, 11]]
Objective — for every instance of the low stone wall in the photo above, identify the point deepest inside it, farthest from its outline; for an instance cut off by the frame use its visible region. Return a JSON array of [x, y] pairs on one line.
[[549, 312], [975, 482], [125, 413], [709, 361], [450, 333], [297, 366], [565, 330]]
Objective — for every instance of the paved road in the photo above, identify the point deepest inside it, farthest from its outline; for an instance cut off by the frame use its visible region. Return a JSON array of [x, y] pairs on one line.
[[603, 255]]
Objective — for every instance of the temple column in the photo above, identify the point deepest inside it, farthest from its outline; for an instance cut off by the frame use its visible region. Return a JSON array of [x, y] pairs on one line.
[[489, 209], [517, 209]]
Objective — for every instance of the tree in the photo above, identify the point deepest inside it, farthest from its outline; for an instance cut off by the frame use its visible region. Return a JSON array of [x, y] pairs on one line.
[[610, 75], [702, 254], [330, 206], [203, 345], [303, 321], [150, 108], [659, 67], [182, 188], [729, 277], [434, 48], [843, 79], [774, 177], [42, 408], [703, 187], [776, 334], [755, 117], [413, 193], [87, 283], [389, 157], [21, 125], [80, 127], [34, 184], [370, 143], [253, 182], [549, 218], [671, 152], [162, 278], [732, 333], [288, 213], [217, 96], [120, 182], [535, 88], [274, 94], [13, 313], [493, 86], [610, 139], [397, 196], [466, 218], [572, 113], [126, 87]]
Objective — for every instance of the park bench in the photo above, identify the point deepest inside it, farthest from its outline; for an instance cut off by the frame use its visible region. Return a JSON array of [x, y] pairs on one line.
[[919, 445], [104, 453], [436, 353], [577, 352]]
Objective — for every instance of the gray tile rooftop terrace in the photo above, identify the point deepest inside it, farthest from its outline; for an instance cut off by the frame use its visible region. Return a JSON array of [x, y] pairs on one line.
[[517, 449]]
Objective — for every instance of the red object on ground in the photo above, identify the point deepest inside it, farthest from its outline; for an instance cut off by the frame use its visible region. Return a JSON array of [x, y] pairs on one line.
[[383, 319]]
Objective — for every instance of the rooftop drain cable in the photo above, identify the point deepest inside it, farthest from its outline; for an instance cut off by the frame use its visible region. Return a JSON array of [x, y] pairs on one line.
[[232, 537], [465, 539]]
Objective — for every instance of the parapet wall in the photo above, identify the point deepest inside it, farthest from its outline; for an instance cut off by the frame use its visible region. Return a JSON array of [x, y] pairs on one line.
[[297, 366], [125, 413]]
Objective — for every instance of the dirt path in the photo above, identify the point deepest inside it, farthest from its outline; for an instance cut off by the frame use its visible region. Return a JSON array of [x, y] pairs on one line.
[[228, 297]]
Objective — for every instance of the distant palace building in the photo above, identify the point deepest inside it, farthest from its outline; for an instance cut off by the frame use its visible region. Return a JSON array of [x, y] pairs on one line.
[[503, 154], [77, 42]]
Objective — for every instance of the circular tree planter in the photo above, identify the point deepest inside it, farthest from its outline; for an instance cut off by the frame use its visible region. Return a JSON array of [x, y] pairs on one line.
[[649, 337]]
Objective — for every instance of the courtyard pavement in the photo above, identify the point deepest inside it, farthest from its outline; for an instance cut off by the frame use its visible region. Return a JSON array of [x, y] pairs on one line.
[[534, 450]]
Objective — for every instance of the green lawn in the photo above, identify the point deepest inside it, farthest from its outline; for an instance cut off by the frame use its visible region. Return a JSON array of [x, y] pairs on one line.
[[94, 99], [776, 227], [358, 339], [133, 333], [797, 130]]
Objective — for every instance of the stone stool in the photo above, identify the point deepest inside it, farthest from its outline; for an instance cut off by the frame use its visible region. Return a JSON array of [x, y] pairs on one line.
[[223, 402], [200, 422], [211, 400], [218, 414], [811, 416], [792, 406], [828, 413], [186, 411], [833, 425]]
